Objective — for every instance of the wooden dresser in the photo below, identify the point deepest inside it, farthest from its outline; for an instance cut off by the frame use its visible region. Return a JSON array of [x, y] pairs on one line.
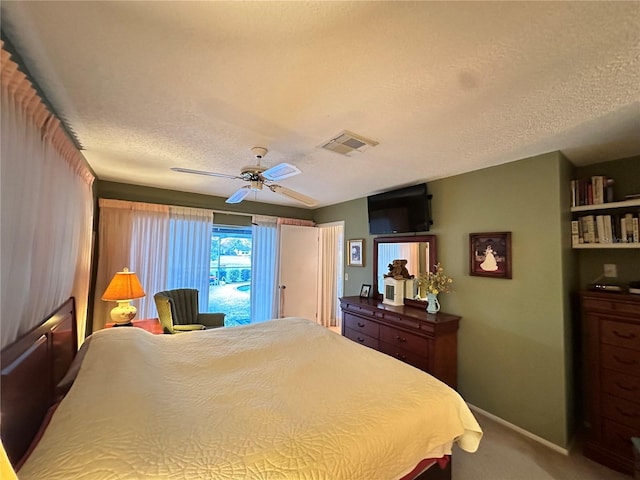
[[428, 342], [611, 323]]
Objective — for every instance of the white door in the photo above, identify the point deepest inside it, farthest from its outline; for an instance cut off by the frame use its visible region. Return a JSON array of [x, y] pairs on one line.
[[298, 272]]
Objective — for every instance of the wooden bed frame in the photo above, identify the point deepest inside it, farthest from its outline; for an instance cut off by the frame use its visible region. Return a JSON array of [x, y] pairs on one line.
[[31, 369]]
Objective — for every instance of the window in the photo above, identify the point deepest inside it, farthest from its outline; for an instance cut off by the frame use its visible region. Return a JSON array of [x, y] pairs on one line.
[[230, 273]]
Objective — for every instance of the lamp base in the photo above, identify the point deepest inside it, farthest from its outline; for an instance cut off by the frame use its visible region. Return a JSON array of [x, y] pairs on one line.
[[123, 313]]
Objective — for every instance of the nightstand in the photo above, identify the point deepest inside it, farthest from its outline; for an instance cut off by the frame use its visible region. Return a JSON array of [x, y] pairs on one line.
[[151, 325]]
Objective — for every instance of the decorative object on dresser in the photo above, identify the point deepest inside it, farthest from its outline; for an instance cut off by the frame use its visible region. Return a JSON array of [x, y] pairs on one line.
[[365, 290], [418, 250], [355, 254], [434, 283], [123, 288], [490, 254], [611, 323], [408, 333]]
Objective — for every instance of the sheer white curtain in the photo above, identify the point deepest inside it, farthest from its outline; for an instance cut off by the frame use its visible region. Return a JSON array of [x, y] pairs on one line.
[[46, 235], [190, 251], [167, 247], [132, 235], [330, 272], [264, 268]]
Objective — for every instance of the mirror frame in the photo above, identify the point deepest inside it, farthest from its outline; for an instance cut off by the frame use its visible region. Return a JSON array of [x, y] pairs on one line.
[[430, 239]]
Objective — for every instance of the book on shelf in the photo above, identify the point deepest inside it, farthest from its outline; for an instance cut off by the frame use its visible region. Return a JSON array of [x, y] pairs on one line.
[[595, 190], [608, 229], [628, 220], [576, 233], [600, 232], [605, 229], [597, 186]]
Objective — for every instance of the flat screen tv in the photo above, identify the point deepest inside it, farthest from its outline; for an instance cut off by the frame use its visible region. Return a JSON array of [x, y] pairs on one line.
[[403, 210]]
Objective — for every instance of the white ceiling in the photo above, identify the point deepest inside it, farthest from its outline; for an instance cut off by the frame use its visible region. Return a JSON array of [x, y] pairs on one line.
[[444, 87]]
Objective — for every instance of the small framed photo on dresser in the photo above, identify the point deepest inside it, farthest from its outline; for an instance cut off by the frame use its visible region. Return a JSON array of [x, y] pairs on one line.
[[365, 291]]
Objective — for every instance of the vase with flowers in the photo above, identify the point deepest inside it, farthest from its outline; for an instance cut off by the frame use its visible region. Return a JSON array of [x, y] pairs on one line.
[[435, 282]]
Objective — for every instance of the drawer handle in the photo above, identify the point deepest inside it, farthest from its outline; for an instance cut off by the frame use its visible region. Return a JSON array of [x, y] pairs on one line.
[[400, 339], [624, 362], [622, 335], [624, 387], [625, 414], [360, 339], [401, 356], [361, 325]]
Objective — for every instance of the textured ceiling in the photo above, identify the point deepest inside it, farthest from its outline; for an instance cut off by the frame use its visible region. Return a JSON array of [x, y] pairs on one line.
[[444, 87]]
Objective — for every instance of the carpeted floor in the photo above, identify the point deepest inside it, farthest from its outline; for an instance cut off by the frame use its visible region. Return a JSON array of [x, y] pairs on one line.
[[507, 455]]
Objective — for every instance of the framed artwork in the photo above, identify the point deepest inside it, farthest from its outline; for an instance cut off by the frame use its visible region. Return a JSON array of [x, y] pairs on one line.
[[365, 290], [355, 253], [490, 254]]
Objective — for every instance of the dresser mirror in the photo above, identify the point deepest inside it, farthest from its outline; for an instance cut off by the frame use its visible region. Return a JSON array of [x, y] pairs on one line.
[[418, 250]]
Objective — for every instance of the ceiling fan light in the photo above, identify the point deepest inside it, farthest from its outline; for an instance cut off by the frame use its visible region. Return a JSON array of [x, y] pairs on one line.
[[280, 171]]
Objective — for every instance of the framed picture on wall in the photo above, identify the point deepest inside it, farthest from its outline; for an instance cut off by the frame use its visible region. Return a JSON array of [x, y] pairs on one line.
[[490, 254], [355, 253]]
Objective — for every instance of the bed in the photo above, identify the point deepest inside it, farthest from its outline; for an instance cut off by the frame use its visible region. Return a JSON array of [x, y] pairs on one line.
[[283, 399]]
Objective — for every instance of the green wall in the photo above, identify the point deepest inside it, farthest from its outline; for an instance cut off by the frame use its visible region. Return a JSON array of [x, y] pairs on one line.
[[514, 360]]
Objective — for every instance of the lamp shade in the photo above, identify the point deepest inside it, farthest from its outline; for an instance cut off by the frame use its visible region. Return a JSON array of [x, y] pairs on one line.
[[124, 286]]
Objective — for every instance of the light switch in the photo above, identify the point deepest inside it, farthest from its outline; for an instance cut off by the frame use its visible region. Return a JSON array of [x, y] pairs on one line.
[[610, 270]]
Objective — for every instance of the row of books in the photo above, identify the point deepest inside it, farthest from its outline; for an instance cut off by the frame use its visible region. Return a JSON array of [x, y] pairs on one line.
[[617, 228], [592, 191]]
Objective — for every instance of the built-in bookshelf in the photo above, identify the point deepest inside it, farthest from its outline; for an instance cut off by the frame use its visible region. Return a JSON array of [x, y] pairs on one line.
[[606, 225], [597, 221]]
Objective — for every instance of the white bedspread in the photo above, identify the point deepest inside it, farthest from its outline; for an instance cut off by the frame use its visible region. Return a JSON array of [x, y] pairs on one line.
[[285, 399]]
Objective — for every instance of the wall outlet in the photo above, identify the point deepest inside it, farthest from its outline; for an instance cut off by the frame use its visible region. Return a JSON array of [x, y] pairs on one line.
[[610, 270]]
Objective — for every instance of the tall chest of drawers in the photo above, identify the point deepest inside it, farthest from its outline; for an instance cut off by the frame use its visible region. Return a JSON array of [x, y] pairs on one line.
[[428, 342], [611, 324]]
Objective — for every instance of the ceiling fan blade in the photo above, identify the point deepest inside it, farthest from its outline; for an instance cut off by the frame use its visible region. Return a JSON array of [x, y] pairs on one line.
[[239, 195], [287, 192], [280, 171], [203, 172]]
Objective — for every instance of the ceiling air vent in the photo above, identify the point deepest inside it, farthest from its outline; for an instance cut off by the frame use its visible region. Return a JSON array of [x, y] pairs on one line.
[[346, 142]]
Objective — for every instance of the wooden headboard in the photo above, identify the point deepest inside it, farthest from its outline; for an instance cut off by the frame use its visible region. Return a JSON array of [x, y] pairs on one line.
[[31, 368]]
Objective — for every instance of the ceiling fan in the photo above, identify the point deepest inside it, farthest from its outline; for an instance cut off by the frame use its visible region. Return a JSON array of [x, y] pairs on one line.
[[259, 176]]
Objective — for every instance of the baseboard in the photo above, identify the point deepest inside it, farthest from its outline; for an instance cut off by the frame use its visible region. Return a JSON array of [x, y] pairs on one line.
[[520, 430]]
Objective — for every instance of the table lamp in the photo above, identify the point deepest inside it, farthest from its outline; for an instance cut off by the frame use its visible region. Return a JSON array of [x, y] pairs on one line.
[[124, 287]]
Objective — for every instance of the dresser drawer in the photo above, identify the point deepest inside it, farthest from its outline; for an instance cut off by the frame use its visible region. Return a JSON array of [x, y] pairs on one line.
[[622, 411], [407, 356], [621, 385], [407, 341], [618, 437], [361, 338], [610, 306], [360, 324], [621, 334], [620, 359]]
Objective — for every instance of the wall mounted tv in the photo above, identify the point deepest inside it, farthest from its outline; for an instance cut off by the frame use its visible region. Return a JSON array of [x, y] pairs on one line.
[[403, 210]]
